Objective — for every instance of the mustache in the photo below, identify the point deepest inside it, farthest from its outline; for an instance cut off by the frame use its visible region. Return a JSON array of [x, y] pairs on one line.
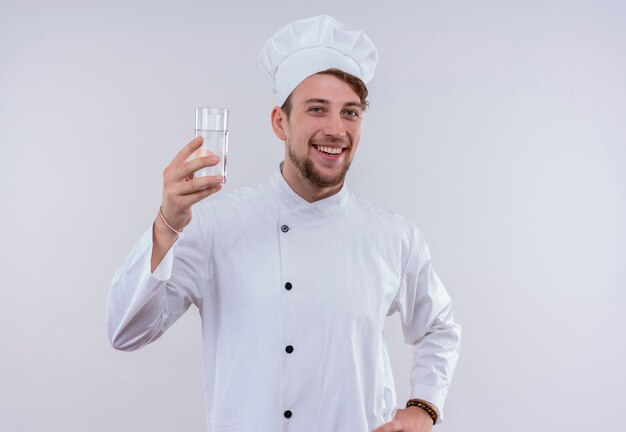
[[330, 141]]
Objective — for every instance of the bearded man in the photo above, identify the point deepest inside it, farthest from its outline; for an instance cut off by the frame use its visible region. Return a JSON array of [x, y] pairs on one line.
[[295, 277]]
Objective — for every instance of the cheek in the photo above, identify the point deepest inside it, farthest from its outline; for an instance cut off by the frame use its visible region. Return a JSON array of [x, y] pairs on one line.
[[354, 130], [299, 142], [356, 137]]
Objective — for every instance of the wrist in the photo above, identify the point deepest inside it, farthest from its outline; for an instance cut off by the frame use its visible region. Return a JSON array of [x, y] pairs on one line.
[[426, 407], [162, 233], [162, 240], [173, 229]]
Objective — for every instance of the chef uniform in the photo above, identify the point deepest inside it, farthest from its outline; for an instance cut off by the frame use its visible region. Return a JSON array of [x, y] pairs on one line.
[[293, 297]]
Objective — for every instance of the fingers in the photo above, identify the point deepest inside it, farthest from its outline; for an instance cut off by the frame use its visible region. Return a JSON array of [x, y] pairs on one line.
[[181, 196], [186, 169], [177, 207], [187, 151], [180, 189], [199, 183], [194, 197], [177, 171]]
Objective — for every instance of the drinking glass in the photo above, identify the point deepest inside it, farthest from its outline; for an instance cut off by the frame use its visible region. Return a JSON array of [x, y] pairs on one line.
[[212, 126]]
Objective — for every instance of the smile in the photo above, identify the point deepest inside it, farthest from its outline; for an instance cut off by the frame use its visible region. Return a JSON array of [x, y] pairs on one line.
[[334, 151]]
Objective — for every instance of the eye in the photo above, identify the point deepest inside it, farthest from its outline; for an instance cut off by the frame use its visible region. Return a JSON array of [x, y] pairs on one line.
[[352, 113], [316, 109]]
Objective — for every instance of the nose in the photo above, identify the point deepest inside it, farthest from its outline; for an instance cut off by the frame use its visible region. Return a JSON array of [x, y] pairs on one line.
[[334, 126]]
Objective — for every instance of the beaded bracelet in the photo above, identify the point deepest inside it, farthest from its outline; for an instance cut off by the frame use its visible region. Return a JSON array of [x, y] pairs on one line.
[[425, 406], [165, 222]]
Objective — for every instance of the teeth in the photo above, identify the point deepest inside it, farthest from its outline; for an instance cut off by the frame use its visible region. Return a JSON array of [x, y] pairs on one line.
[[330, 150]]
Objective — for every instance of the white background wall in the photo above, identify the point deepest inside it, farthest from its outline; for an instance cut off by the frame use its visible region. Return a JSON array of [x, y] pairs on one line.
[[497, 126]]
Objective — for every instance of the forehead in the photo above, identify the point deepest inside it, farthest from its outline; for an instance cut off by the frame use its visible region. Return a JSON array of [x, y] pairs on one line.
[[324, 86]]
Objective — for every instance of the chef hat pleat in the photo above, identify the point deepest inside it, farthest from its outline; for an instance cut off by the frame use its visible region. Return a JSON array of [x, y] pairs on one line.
[[307, 46]]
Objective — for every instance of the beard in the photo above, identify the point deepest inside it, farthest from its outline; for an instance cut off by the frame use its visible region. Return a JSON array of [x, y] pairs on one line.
[[309, 172]]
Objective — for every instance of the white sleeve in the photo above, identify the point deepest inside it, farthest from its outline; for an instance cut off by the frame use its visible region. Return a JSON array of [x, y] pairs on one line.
[[143, 305], [427, 323]]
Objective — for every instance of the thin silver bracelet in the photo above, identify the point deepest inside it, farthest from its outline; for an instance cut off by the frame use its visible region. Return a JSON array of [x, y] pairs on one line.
[[165, 222]]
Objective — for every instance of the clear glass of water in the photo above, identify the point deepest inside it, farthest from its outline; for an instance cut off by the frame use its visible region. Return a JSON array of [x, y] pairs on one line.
[[212, 126]]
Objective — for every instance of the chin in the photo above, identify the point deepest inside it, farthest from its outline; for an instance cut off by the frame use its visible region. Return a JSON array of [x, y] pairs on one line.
[[321, 180]]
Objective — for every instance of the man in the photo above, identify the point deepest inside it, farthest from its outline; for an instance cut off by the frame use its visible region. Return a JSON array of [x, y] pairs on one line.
[[294, 278]]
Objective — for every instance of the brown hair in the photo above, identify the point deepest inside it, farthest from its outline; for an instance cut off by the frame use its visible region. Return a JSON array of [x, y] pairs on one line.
[[355, 84]]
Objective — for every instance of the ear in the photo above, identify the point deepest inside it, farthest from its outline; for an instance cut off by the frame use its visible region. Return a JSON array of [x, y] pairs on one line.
[[279, 119]]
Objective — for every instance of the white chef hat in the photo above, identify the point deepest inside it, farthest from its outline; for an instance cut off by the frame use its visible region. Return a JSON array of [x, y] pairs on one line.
[[307, 46]]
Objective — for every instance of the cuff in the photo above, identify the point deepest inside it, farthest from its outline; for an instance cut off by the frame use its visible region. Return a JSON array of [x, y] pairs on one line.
[[163, 272], [431, 395]]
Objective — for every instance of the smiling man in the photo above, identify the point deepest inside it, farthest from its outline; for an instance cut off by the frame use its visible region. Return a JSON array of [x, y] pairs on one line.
[[294, 278], [320, 124]]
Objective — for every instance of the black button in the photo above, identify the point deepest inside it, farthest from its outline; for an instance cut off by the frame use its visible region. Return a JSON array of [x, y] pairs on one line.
[[284, 228], [288, 285], [287, 413], [289, 349]]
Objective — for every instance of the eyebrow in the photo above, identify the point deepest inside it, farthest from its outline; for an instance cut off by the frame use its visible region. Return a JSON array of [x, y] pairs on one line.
[[315, 100], [326, 102]]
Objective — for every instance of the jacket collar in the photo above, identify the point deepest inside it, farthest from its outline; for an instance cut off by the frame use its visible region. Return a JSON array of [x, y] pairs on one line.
[[291, 201]]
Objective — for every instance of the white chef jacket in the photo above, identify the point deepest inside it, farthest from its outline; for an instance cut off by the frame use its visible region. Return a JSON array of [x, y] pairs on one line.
[[293, 298]]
